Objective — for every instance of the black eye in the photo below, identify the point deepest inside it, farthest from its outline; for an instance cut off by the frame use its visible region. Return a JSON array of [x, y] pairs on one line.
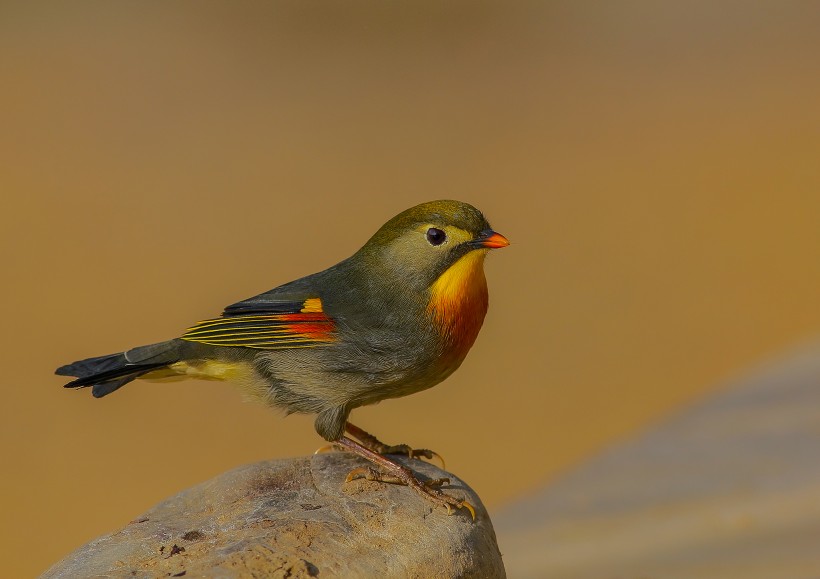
[[436, 236]]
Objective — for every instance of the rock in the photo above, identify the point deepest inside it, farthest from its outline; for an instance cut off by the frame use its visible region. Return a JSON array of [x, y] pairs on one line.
[[727, 488], [297, 518]]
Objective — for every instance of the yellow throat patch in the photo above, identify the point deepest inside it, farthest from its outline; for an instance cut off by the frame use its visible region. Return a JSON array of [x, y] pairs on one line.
[[458, 300]]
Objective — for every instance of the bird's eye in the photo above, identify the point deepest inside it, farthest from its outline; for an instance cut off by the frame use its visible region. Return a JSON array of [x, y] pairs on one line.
[[436, 236]]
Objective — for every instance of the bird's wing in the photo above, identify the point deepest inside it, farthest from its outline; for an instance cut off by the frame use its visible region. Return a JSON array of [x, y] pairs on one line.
[[267, 324]]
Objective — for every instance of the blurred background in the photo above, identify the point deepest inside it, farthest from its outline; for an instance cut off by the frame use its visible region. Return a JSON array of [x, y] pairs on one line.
[[655, 165]]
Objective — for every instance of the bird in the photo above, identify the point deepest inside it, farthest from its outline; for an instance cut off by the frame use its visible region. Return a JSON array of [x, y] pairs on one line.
[[397, 317]]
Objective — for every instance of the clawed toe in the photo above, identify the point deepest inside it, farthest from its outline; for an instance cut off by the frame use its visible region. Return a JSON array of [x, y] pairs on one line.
[[370, 473], [365, 472], [428, 454], [469, 507], [437, 482], [327, 448]]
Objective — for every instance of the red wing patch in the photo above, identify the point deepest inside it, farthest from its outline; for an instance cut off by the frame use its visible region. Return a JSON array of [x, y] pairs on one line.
[[306, 327]]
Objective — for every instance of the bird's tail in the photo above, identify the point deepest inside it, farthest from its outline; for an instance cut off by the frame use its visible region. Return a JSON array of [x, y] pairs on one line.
[[108, 373]]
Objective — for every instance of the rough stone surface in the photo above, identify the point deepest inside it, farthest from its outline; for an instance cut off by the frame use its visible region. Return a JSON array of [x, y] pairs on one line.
[[296, 518], [727, 488]]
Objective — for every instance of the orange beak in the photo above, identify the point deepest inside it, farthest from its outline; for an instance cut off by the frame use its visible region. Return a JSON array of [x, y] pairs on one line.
[[490, 239]]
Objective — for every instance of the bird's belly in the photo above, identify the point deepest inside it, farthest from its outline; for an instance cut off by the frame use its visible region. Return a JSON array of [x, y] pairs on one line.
[[314, 379]]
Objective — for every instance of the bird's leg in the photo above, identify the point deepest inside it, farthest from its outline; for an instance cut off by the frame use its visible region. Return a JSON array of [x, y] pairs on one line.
[[399, 474], [372, 443]]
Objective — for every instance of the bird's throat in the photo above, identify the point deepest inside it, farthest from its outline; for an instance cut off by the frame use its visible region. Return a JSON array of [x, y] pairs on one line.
[[458, 303]]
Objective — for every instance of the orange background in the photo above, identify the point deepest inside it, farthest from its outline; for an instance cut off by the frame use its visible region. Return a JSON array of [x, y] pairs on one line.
[[655, 165]]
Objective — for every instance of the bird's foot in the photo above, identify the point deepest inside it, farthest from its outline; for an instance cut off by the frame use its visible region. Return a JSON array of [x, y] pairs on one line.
[[370, 473], [399, 474], [409, 451], [372, 443]]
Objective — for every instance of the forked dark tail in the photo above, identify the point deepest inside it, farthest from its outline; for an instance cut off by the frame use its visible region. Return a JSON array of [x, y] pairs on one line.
[[108, 373]]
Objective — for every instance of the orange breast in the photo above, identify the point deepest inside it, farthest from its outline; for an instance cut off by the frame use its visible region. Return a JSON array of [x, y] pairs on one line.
[[458, 304]]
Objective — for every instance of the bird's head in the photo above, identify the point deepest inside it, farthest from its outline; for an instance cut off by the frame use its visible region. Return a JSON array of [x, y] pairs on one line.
[[420, 245]]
